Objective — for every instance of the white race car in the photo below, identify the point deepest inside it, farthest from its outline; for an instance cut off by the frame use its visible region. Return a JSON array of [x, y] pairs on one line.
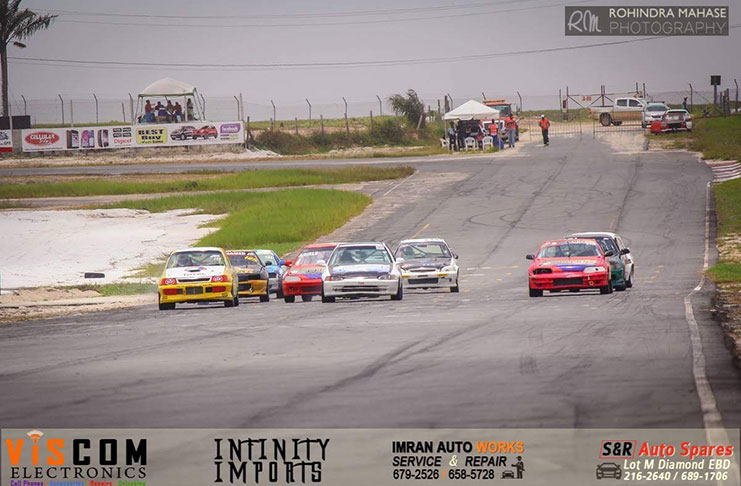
[[361, 270], [428, 263]]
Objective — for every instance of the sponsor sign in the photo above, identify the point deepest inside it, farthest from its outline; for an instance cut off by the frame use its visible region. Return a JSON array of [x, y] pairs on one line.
[[144, 135], [646, 20], [377, 457], [6, 141]]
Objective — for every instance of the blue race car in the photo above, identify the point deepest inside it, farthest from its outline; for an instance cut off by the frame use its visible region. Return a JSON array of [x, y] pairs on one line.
[[276, 268]]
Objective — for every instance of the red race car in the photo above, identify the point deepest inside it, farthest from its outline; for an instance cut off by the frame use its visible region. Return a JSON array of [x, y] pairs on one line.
[[304, 277], [572, 265]]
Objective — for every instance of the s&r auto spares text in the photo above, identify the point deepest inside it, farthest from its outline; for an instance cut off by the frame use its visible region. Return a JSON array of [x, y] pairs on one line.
[[648, 21], [430, 460], [262, 460], [649, 461]]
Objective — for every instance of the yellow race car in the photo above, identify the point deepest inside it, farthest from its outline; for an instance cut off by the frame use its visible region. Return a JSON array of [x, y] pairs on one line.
[[252, 275], [195, 275]]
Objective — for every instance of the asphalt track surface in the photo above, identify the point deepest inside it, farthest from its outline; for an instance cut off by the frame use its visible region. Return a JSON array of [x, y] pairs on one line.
[[489, 356]]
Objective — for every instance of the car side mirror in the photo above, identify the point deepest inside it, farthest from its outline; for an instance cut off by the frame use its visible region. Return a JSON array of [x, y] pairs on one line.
[[609, 253], [399, 260], [530, 257], [288, 263], [455, 255], [321, 262], [625, 251]]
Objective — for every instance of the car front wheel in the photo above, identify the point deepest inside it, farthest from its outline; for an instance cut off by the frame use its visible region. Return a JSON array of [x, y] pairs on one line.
[[167, 306], [265, 298], [307, 298], [607, 289], [289, 299], [399, 293], [536, 293]]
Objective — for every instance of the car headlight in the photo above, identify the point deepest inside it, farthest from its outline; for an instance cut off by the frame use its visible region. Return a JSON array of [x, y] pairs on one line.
[[384, 276], [448, 269], [595, 269], [333, 278], [292, 278]]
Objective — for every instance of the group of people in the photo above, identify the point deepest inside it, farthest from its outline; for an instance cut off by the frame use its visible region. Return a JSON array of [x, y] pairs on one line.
[[170, 113], [508, 130]]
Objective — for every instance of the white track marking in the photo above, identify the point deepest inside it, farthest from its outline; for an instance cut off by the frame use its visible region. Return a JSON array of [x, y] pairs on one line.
[[714, 431]]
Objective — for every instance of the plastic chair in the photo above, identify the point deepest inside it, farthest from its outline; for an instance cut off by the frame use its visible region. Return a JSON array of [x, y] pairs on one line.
[[470, 143], [487, 140], [444, 142]]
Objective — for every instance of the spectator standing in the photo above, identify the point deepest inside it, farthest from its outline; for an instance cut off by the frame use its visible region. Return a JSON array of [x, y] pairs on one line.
[[451, 136], [148, 107], [178, 110], [511, 125], [684, 104], [545, 124], [170, 111], [189, 109]]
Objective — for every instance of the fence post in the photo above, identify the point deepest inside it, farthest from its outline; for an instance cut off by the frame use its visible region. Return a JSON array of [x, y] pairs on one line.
[[96, 109], [71, 114], [321, 122], [692, 98], [272, 123], [734, 80], [123, 112], [371, 120], [518, 95], [238, 107], [380, 106], [307, 102], [241, 104], [296, 125], [347, 123], [62, 102], [249, 134], [131, 108], [25, 107]]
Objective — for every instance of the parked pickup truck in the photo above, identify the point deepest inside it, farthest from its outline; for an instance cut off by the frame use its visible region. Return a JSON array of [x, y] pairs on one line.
[[624, 109]]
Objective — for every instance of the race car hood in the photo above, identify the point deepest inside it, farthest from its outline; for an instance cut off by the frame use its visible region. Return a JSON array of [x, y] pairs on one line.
[[363, 270], [431, 263], [194, 272], [575, 264], [248, 269], [311, 271]]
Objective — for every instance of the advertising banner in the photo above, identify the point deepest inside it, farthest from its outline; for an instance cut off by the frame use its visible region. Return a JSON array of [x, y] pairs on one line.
[[145, 135], [6, 141], [373, 457]]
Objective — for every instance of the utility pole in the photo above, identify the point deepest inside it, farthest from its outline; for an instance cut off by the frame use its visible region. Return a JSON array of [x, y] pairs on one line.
[[380, 105]]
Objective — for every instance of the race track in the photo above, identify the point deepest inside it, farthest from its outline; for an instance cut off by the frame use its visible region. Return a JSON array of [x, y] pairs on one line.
[[486, 357]]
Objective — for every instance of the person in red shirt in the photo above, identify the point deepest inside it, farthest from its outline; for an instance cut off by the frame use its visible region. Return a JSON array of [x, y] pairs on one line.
[[511, 125], [545, 124]]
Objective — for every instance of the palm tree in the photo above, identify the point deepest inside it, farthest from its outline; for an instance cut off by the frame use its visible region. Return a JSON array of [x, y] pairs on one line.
[[410, 106], [16, 25]]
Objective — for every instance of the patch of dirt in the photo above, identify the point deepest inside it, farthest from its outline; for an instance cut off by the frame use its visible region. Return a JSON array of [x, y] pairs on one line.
[[46, 294], [117, 178]]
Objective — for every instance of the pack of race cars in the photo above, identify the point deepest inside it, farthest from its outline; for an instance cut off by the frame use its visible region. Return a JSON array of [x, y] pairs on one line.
[[580, 261]]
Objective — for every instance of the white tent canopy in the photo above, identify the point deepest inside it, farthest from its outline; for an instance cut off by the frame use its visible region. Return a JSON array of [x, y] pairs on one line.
[[168, 87], [172, 88], [472, 110]]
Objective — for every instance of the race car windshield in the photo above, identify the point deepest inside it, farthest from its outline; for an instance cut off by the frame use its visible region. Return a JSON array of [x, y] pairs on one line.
[[607, 244], [244, 260], [360, 256], [417, 251], [310, 257], [267, 257], [196, 259], [566, 250]]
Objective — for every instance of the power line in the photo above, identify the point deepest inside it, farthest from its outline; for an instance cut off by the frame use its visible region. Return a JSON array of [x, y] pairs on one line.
[[358, 13], [338, 64], [319, 24]]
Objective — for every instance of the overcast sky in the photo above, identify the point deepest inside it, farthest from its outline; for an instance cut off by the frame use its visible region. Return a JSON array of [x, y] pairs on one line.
[[425, 31]]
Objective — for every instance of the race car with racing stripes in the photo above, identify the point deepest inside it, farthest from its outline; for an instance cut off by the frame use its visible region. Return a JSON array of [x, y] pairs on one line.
[[304, 275]]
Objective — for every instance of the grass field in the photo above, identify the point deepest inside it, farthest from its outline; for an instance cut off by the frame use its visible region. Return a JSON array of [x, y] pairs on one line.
[[108, 290], [281, 220], [95, 186]]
